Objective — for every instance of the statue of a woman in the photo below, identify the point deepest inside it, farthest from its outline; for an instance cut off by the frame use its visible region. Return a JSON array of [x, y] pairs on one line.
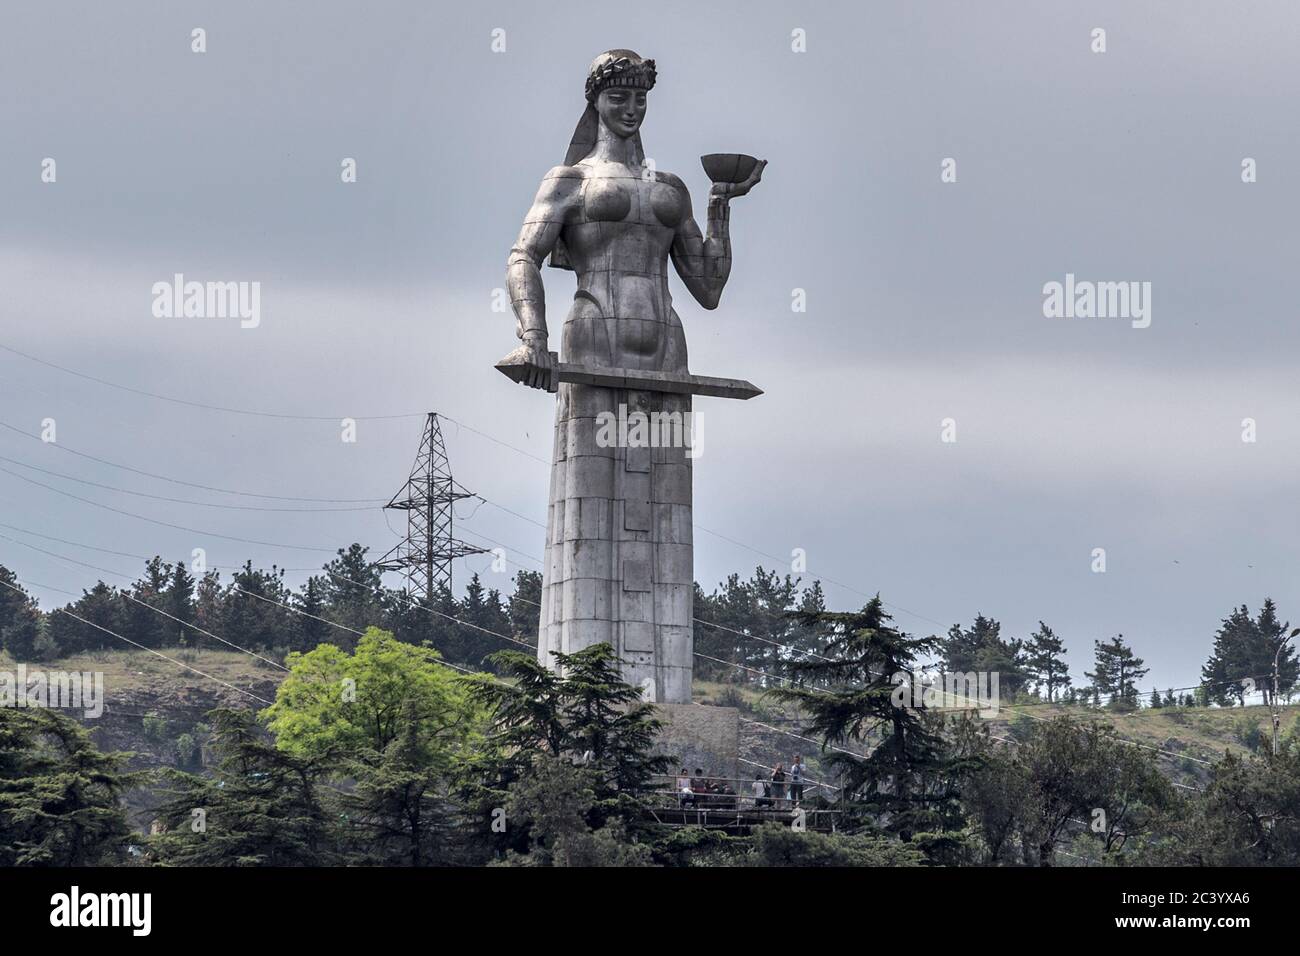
[[619, 565]]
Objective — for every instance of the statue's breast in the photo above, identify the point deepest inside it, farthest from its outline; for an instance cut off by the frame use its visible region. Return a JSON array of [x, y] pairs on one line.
[[606, 200], [667, 203]]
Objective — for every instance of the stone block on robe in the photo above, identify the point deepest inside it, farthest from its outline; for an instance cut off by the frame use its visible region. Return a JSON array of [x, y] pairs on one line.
[[674, 564], [588, 558], [638, 636]]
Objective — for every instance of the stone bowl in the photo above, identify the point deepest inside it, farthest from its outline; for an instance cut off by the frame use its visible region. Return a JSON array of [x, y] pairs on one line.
[[728, 167]]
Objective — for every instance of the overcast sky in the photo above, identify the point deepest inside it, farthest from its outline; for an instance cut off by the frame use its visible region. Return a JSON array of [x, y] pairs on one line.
[[924, 299]]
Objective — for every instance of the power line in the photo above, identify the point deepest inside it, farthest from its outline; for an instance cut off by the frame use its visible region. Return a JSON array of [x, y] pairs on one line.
[[132, 598], [165, 524], [476, 431], [192, 404], [179, 481], [183, 501], [77, 617]]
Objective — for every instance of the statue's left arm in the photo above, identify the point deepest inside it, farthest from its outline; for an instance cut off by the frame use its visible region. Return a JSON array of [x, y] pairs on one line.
[[703, 260]]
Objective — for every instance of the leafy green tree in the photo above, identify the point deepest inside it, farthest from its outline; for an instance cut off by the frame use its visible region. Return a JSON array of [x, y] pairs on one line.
[[60, 798], [1249, 815], [1065, 771], [994, 800], [333, 701]]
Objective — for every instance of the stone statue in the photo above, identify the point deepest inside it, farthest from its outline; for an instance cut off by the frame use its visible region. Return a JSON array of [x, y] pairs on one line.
[[619, 565]]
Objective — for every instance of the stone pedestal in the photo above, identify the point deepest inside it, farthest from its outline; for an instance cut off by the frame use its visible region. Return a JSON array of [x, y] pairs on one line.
[[698, 735]]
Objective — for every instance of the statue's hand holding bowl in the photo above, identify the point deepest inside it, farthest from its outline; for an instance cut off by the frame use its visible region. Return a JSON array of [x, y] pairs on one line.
[[536, 363], [733, 174]]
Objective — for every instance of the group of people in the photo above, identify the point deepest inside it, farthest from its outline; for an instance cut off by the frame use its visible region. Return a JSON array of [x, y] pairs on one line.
[[781, 789]]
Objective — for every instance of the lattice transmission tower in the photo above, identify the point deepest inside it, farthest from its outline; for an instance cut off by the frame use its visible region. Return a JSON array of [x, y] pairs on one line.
[[428, 497]]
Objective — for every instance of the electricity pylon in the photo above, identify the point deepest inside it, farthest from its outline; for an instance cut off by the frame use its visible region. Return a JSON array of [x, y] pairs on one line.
[[428, 497]]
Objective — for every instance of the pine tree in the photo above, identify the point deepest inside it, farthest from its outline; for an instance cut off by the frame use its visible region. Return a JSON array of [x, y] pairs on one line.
[[585, 714], [400, 812], [1117, 672], [180, 604], [608, 722], [264, 807], [60, 798], [355, 590], [982, 649], [209, 601], [252, 615], [102, 606], [311, 628], [1230, 661], [21, 635], [13, 597], [899, 752], [525, 605], [1045, 661], [142, 624]]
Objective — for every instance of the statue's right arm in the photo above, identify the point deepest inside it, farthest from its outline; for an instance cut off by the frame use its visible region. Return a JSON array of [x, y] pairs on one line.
[[556, 202]]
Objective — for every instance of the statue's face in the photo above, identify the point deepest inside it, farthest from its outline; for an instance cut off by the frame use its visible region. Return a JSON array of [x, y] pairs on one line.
[[621, 109]]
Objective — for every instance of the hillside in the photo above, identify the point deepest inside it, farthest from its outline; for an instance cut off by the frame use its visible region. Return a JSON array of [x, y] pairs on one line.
[[154, 709]]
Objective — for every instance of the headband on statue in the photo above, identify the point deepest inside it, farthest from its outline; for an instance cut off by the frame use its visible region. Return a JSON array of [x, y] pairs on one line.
[[619, 68]]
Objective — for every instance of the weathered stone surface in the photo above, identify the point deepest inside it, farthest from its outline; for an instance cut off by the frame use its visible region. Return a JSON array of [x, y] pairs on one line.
[[697, 735], [619, 564]]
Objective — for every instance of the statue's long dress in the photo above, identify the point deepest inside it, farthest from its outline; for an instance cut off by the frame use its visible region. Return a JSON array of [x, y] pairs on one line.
[[618, 562], [618, 551]]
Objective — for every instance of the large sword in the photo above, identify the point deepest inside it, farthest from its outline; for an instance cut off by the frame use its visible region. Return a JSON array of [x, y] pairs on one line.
[[679, 382]]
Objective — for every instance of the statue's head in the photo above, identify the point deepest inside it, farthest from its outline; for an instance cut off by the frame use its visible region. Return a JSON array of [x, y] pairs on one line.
[[617, 84]]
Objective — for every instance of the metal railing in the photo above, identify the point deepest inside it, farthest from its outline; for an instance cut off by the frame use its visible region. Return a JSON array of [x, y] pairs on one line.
[[735, 793]]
